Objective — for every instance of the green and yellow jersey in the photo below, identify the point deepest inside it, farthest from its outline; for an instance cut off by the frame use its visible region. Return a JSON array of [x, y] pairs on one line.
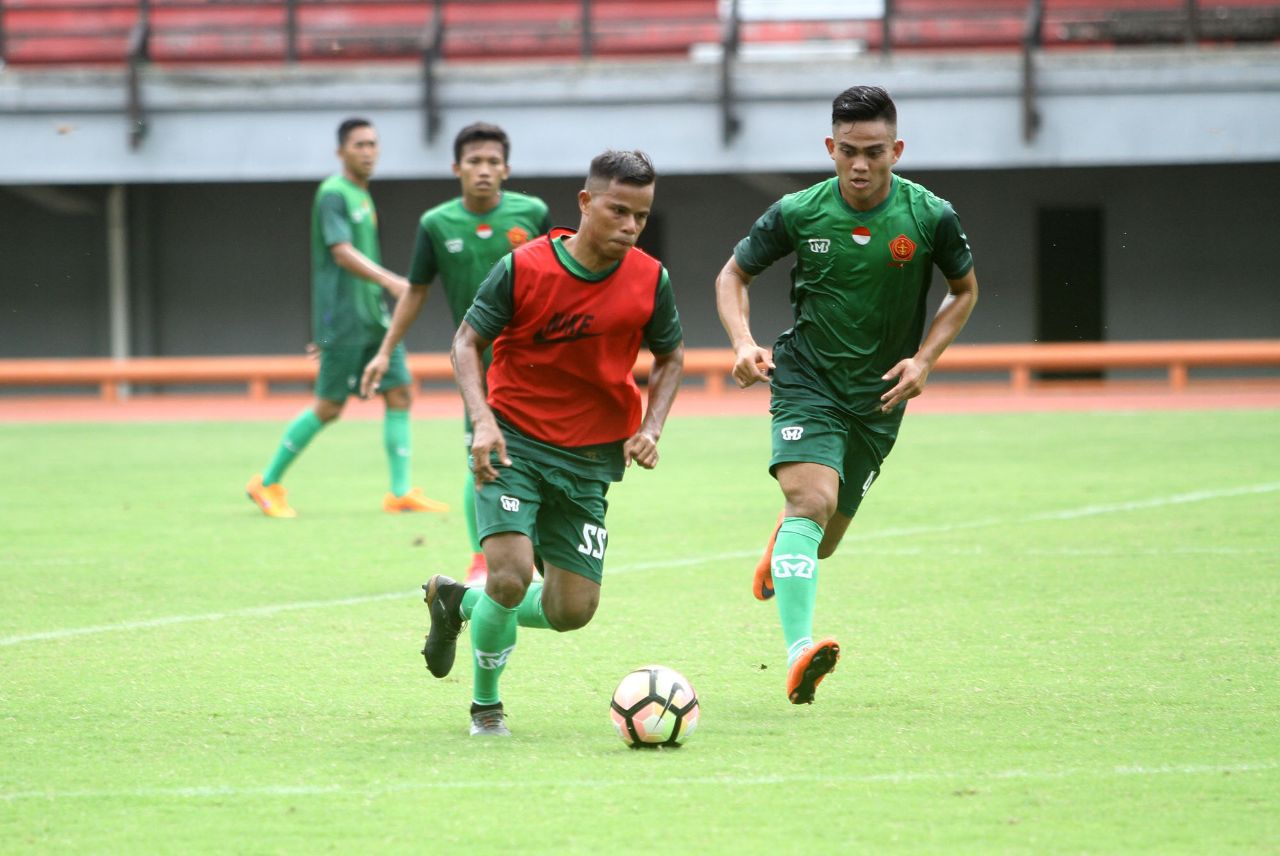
[[462, 247], [859, 284], [346, 310]]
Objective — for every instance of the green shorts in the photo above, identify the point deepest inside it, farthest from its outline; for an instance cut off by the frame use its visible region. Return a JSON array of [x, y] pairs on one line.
[[561, 512], [341, 369], [810, 433]]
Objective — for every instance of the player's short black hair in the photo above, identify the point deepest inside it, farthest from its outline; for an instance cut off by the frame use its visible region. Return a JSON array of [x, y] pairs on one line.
[[349, 125], [628, 167], [863, 104], [478, 132]]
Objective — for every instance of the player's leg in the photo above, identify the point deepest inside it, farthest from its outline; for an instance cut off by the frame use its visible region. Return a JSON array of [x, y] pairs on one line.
[[810, 490], [479, 568], [809, 444], [266, 491], [494, 625], [762, 581], [870, 440], [396, 389]]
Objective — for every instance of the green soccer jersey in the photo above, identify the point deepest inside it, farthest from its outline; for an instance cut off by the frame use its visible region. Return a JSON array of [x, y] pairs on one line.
[[346, 310], [462, 246], [859, 282]]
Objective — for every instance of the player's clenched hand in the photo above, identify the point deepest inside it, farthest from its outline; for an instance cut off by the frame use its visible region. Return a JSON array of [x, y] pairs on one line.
[[752, 363], [910, 375], [641, 448], [487, 442], [373, 375]]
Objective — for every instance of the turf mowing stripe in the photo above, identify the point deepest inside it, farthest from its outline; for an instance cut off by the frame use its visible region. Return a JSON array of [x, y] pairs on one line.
[[904, 777], [1066, 514], [187, 619]]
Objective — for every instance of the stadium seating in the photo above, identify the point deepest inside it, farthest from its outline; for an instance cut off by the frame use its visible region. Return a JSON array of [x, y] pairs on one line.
[[36, 32]]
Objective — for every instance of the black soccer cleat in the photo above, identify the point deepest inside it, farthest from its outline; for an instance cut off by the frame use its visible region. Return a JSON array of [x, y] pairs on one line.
[[489, 720], [443, 597]]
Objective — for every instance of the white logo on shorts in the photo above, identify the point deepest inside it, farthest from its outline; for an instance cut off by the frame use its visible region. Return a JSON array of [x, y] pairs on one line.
[[453, 245], [794, 565], [510, 503], [485, 660], [819, 245], [794, 432]]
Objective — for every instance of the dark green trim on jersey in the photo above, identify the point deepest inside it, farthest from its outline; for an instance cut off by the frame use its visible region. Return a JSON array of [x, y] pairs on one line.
[[494, 303], [600, 461]]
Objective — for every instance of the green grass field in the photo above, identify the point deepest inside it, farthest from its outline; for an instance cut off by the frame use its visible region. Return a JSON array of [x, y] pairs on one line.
[[1060, 636]]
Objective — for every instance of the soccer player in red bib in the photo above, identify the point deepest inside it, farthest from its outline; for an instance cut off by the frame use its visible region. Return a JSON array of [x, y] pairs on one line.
[[562, 419], [865, 244]]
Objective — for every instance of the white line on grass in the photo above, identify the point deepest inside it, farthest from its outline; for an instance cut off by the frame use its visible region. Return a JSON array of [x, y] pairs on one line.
[[902, 777], [1065, 514]]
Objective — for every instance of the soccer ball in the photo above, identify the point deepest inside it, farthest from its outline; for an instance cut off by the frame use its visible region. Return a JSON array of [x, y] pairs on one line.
[[654, 706]]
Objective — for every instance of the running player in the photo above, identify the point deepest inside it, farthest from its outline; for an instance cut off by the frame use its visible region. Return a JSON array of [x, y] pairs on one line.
[[349, 319], [460, 240], [865, 243], [566, 315]]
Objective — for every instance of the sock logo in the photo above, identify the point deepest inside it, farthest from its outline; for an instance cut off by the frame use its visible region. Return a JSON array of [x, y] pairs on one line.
[[486, 660], [793, 432], [794, 565], [510, 503]]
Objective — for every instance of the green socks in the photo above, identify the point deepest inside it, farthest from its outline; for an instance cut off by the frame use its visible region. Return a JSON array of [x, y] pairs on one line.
[[493, 638], [528, 614], [296, 437], [469, 512], [795, 581], [395, 436]]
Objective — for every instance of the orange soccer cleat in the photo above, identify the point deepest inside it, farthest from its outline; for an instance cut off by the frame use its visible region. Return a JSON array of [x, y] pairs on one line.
[[814, 664], [478, 572], [414, 500], [272, 498], [762, 582]]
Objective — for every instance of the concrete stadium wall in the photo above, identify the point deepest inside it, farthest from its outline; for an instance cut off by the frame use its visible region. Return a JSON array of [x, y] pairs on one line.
[[223, 268]]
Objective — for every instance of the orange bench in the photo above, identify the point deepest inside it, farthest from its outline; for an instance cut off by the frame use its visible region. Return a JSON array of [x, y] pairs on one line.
[[711, 365]]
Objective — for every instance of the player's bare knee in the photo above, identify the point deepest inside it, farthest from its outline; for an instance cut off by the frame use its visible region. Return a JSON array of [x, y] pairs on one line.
[[575, 614], [507, 587], [399, 398]]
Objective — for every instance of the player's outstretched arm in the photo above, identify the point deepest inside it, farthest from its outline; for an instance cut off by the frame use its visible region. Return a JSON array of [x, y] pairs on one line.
[[353, 261], [911, 374], [487, 442], [406, 312], [751, 363], [664, 383]]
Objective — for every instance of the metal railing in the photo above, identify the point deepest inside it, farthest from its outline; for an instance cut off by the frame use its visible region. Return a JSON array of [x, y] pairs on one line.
[[431, 32]]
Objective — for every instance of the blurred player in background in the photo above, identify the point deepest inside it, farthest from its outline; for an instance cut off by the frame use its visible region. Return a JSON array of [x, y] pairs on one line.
[[349, 320], [460, 240], [566, 315], [865, 244]]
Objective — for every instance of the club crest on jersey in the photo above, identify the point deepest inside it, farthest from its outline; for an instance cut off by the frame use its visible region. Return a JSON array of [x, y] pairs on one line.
[[861, 236], [516, 236], [819, 245], [453, 245], [484, 231], [902, 248]]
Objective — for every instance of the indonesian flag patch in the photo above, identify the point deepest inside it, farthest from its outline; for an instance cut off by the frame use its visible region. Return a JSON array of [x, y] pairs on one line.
[[484, 230], [861, 236]]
